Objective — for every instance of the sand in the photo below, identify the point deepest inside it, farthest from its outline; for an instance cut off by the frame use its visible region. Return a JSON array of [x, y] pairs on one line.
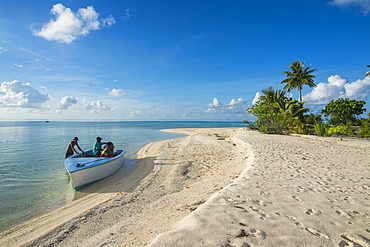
[[221, 187]]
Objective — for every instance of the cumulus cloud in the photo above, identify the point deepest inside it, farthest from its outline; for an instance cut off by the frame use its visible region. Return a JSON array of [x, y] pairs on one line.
[[97, 106], [234, 107], [17, 94], [68, 26], [256, 98], [117, 93], [363, 4], [216, 103], [66, 102], [338, 87]]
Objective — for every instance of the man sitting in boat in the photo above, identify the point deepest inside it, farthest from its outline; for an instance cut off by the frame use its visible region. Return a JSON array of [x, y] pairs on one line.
[[108, 150], [97, 148]]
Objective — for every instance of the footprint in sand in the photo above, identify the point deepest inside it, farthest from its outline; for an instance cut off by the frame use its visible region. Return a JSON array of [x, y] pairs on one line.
[[316, 232], [365, 187], [332, 200], [300, 225], [341, 212], [258, 202], [262, 214], [301, 189], [349, 200], [297, 198], [257, 233], [264, 193], [356, 240], [313, 212], [295, 221], [239, 239]]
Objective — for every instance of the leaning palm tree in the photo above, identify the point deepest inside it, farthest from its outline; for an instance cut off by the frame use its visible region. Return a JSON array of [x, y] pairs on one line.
[[297, 77], [368, 73]]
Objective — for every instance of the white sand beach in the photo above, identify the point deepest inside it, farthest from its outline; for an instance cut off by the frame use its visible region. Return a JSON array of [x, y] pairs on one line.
[[221, 187]]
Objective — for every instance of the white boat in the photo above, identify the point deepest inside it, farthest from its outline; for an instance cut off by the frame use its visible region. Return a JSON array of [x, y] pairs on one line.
[[84, 169]]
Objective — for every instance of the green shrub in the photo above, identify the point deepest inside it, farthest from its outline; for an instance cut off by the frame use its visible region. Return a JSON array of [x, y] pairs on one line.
[[251, 125], [321, 128], [364, 129], [341, 130]]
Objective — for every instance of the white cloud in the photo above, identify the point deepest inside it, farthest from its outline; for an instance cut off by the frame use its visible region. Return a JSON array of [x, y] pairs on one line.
[[17, 94], [117, 93], [127, 15], [66, 102], [109, 21], [215, 103], [234, 107], [256, 98], [137, 112], [18, 65], [2, 50], [338, 87], [363, 4], [97, 106], [68, 26]]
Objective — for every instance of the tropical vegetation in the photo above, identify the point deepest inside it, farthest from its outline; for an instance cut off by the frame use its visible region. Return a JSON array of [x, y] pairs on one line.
[[279, 114], [276, 113], [344, 112]]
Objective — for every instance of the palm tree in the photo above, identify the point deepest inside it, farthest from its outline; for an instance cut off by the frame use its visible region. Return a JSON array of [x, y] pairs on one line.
[[368, 73], [297, 77]]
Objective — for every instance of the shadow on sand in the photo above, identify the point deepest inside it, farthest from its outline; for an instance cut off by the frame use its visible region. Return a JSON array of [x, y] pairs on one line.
[[125, 179]]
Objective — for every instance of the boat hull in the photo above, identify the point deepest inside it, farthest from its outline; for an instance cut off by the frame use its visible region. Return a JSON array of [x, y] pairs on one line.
[[86, 170]]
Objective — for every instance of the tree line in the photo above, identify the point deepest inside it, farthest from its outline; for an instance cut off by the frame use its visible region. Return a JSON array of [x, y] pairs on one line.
[[279, 114]]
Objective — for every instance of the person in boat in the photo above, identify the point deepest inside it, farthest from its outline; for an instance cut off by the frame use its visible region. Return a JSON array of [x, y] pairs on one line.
[[97, 148], [71, 147], [108, 150]]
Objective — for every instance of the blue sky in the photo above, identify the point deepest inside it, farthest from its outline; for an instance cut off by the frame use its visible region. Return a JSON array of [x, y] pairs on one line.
[[174, 60]]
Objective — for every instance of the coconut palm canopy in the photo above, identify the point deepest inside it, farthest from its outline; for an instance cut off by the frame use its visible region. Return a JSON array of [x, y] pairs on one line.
[[298, 76]]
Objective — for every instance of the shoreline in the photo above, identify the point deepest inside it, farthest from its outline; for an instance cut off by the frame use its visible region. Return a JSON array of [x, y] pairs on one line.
[[221, 187], [65, 218]]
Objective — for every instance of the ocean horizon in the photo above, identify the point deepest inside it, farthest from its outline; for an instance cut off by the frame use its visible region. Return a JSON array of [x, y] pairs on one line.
[[34, 180]]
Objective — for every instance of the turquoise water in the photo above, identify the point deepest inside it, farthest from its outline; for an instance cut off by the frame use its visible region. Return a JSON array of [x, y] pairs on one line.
[[33, 178]]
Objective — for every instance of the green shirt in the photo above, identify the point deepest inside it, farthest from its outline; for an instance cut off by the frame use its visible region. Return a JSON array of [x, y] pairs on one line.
[[97, 147]]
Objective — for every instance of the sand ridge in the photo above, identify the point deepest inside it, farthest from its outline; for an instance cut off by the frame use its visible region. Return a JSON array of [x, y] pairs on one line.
[[300, 191]]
